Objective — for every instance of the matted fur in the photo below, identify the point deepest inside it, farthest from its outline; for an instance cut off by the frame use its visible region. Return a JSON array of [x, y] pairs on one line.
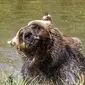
[[47, 57], [74, 42]]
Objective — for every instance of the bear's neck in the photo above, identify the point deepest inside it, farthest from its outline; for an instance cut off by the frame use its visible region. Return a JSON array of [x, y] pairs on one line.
[[38, 63]]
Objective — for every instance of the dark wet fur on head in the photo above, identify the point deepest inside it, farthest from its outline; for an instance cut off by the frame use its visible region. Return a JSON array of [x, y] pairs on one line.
[[50, 59]]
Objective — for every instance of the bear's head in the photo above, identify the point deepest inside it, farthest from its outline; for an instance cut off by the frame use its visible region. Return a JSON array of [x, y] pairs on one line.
[[35, 36]]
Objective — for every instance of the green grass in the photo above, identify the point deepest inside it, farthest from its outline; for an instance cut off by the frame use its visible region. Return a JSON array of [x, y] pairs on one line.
[[10, 79]]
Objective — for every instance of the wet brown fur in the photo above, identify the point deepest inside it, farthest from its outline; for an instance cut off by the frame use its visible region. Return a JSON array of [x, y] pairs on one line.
[[74, 42]]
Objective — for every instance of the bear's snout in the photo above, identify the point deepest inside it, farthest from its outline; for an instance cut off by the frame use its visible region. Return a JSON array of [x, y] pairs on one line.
[[27, 37]]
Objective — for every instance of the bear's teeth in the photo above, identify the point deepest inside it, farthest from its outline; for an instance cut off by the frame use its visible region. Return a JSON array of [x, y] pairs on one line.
[[36, 37]]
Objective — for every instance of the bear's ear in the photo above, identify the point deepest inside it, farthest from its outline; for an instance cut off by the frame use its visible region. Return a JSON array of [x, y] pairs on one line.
[[47, 17]]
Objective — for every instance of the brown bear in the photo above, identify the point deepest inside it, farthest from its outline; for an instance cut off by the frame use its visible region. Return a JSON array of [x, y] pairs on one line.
[[47, 57]]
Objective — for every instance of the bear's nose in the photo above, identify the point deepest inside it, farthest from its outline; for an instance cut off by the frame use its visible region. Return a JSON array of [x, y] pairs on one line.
[[28, 36]]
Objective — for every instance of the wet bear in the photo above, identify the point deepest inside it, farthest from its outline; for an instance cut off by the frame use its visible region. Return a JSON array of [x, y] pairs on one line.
[[47, 58]]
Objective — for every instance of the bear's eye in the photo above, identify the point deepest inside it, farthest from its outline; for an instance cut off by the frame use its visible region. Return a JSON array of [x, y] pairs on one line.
[[35, 27]]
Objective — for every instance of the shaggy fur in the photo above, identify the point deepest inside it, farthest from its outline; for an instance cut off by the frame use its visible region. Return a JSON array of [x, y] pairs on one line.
[[47, 56], [74, 42]]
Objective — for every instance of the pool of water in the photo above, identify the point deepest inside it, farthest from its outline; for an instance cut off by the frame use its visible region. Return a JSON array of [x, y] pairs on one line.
[[67, 15]]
